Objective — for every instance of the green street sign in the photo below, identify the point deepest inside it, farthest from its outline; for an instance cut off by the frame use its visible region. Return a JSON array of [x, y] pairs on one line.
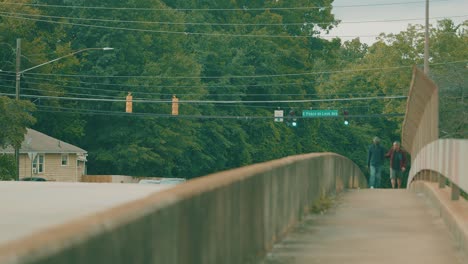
[[319, 113]]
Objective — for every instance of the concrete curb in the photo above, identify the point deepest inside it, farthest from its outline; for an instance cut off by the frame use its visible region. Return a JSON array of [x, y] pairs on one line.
[[454, 213]]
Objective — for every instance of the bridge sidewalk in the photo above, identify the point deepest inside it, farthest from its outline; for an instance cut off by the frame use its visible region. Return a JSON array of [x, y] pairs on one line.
[[371, 226]]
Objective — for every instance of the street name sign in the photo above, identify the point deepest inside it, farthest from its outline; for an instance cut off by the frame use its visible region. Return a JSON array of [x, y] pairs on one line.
[[319, 113]]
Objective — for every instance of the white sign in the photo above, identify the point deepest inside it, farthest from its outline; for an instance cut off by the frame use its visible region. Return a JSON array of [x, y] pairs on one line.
[[279, 115]]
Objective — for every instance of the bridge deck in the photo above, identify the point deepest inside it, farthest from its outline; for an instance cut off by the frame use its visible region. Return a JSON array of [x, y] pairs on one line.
[[371, 226]]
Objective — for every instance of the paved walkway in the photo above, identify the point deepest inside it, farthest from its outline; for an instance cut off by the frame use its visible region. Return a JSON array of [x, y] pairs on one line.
[[371, 226]]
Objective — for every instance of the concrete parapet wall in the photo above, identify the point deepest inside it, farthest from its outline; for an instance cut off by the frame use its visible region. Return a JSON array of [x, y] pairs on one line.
[[421, 124], [228, 217], [454, 213], [446, 157]]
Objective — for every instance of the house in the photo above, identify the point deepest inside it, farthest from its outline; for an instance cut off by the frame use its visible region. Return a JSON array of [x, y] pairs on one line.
[[49, 158]]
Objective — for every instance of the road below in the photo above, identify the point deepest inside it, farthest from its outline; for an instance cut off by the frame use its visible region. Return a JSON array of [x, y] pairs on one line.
[[28, 207]]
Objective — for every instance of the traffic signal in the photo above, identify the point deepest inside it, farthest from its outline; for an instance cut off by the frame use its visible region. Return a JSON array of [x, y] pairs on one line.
[[129, 103], [345, 115], [293, 120]]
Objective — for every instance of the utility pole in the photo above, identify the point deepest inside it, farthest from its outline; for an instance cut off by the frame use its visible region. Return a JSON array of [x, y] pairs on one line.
[[426, 41], [18, 79]]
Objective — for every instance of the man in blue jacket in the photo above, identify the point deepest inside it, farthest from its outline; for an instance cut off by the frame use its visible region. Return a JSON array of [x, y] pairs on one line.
[[375, 160]]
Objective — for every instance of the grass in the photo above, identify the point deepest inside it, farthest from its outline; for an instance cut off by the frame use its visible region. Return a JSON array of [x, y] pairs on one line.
[[322, 204]]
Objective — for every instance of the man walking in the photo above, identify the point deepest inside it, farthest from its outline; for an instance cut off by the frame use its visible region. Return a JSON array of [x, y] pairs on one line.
[[375, 160], [397, 163]]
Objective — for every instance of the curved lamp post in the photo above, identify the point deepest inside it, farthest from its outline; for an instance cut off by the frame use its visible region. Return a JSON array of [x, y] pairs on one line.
[[18, 79]]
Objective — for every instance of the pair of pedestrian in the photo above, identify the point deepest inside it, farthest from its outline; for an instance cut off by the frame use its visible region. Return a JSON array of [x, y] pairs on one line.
[[375, 159]]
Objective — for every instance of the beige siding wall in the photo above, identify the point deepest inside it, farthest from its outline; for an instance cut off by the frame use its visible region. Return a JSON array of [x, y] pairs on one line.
[[25, 166], [53, 169]]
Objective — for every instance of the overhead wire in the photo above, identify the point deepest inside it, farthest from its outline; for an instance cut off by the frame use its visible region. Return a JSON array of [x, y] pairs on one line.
[[169, 95], [186, 33], [232, 117], [240, 76], [211, 101], [201, 116], [244, 8], [225, 24], [202, 86]]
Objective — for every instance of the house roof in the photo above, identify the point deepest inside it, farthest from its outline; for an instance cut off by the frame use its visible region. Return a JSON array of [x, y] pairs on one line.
[[35, 141]]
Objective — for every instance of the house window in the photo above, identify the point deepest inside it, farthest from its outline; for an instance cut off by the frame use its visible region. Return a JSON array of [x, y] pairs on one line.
[[38, 163], [64, 159]]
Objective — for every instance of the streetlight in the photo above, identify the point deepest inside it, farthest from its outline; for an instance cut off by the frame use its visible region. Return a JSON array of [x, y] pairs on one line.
[[18, 79]]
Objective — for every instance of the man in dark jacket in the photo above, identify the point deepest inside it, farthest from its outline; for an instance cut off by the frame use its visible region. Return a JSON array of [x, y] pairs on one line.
[[375, 160], [397, 163]]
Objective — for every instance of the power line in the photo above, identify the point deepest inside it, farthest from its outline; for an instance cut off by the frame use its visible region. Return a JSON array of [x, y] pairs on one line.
[[245, 8], [239, 76], [208, 86], [220, 77], [245, 117], [186, 33], [169, 95], [222, 24], [190, 94], [212, 101], [68, 93]]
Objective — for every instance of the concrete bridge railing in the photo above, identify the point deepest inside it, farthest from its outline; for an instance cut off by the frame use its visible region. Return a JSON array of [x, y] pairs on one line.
[[436, 160], [443, 160], [228, 217], [441, 163]]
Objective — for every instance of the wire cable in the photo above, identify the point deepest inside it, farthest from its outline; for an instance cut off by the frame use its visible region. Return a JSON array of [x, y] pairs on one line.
[[153, 115], [131, 88], [245, 8], [211, 101], [224, 24], [186, 33], [240, 76]]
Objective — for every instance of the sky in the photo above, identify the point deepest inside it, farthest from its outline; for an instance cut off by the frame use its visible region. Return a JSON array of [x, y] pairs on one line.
[[412, 10]]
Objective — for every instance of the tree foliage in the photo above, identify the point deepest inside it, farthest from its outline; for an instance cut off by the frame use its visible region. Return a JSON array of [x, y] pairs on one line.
[[207, 53], [15, 115]]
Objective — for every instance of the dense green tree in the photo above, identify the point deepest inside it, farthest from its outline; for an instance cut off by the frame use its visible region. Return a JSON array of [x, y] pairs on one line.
[[449, 44], [15, 117], [220, 59]]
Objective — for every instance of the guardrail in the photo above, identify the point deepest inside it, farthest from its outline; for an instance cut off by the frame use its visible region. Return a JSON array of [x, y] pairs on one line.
[[229, 217]]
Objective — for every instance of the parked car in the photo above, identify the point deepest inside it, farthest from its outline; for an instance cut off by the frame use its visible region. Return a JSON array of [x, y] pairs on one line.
[[163, 181], [149, 182], [172, 181], [39, 179]]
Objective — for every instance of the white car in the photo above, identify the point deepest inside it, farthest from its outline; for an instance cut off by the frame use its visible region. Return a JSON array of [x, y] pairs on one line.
[[172, 181], [163, 181], [149, 182]]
